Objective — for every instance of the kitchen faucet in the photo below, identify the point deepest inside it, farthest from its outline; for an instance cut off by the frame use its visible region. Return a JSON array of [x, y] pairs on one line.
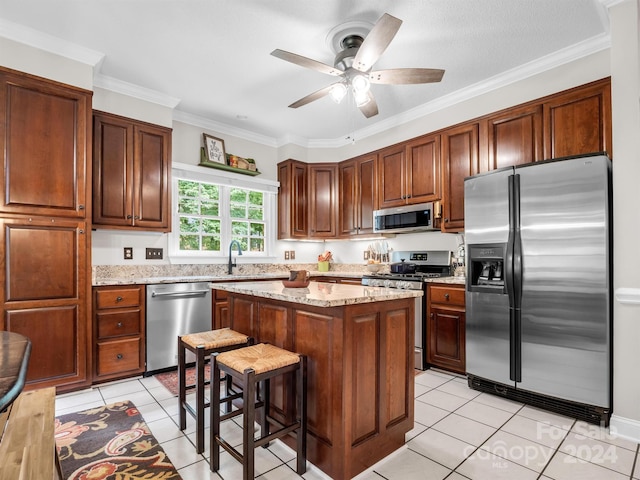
[[233, 264]]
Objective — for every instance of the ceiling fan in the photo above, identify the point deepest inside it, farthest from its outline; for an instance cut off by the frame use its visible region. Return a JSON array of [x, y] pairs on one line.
[[354, 63]]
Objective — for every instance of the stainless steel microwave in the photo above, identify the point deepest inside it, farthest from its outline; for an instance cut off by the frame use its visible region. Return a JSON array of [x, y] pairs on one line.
[[407, 219]]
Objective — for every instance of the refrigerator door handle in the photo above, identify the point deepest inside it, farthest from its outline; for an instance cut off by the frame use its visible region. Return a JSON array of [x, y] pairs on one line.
[[513, 279]]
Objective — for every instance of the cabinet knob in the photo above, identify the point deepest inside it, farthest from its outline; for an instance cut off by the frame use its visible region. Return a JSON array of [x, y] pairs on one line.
[[119, 356], [431, 315], [129, 217], [446, 220], [136, 217], [119, 325], [80, 207], [446, 296], [118, 299]]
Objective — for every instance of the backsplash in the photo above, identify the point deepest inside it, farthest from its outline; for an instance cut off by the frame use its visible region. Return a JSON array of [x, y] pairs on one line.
[[135, 273]]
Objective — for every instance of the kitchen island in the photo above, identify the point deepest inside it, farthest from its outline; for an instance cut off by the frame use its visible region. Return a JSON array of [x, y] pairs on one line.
[[360, 381]]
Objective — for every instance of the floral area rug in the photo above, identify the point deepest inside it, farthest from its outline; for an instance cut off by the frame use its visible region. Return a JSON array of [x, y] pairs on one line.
[[170, 379], [110, 442]]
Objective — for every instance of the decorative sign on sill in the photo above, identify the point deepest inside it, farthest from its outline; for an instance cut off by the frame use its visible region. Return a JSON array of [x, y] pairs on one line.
[[245, 166]]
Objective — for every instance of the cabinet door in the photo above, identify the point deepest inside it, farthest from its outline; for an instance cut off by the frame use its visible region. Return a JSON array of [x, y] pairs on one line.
[[112, 171], [45, 296], [446, 336], [292, 200], [460, 157], [578, 121], [322, 200], [44, 146], [366, 181], [348, 197], [151, 173], [391, 177], [515, 137], [423, 172]]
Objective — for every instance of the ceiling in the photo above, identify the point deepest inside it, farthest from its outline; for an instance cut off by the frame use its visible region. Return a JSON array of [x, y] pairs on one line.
[[213, 56]]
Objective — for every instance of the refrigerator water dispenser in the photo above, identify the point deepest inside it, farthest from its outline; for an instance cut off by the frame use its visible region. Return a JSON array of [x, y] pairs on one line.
[[486, 268]]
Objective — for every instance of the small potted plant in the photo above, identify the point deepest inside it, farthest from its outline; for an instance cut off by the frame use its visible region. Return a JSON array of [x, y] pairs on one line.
[[323, 261]]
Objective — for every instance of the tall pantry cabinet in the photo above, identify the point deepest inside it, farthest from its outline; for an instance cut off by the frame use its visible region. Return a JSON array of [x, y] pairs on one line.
[[45, 140]]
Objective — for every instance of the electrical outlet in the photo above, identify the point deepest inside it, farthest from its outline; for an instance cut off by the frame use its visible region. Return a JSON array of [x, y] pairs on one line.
[[292, 254], [367, 254], [154, 254], [128, 253], [286, 254]]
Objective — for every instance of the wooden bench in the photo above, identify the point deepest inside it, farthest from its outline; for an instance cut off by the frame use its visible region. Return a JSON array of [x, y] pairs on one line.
[[27, 443]]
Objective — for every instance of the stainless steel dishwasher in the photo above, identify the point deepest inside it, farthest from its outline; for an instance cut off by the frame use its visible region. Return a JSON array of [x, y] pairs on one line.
[[174, 309]]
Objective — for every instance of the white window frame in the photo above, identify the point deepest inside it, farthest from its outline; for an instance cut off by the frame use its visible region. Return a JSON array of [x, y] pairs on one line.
[[226, 181]]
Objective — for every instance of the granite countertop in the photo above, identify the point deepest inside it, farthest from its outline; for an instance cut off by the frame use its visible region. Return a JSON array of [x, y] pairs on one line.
[[319, 294], [449, 280]]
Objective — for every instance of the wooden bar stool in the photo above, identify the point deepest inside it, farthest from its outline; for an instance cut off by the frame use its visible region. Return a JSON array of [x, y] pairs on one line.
[[202, 345], [251, 366]]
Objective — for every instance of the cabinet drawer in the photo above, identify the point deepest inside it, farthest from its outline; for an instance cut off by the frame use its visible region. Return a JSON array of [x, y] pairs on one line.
[[116, 323], [220, 294], [447, 295], [122, 297], [118, 356]]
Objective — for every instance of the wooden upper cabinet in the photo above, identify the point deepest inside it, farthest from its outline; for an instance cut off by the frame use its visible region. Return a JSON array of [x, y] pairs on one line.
[[292, 200], [44, 145], [423, 169], [514, 137], [460, 158], [409, 173], [131, 177], [357, 195], [323, 204], [578, 121], [392, 168]]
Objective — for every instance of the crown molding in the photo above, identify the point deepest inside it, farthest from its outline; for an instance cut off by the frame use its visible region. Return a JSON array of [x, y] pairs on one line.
[[49, 43], [223, 128], [135, 91]]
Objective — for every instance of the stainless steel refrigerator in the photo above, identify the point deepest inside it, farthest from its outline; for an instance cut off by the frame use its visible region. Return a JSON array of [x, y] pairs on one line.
[[538, 288]]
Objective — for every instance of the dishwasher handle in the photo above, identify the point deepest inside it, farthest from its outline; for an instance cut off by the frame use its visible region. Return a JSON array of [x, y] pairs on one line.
[[180, 294]]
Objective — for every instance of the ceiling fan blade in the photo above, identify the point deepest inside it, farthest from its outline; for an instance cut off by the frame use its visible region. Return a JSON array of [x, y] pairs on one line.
[[406, 76], [312, 96], [376, 42], [306, 62], [370, 108]]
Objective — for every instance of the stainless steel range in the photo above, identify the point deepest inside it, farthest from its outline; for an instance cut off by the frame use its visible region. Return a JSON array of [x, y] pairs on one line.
[[409, 270]]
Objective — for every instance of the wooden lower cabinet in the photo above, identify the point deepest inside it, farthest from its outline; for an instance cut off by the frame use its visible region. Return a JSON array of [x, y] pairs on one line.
[[119, 332], [360, 376], [446, 327]]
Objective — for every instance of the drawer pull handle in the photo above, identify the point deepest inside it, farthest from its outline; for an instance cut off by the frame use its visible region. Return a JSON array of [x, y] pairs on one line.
[[119, 356], [446, 296], [118, 299], [119, 324]]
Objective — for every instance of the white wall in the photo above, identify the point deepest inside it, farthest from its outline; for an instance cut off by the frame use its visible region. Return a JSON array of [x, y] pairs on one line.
[[625, 89]]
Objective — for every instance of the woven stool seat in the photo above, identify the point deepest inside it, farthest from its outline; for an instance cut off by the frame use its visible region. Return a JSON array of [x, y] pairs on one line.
[[261, 358], [215, 339]]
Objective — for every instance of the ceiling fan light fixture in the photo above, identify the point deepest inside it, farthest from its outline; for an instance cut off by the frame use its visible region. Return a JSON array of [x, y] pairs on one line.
[[338, 92], [360, 84]]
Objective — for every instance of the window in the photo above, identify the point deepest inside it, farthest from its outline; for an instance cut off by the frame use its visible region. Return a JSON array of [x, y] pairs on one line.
[[209, 215]]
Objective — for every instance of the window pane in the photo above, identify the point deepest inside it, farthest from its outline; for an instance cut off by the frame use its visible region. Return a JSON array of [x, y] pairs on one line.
[[257, 244], [211, 243], [238, 211], [187, 188], [211, 192], [189, 224], [256, 198], [257, 230], [211, 209], [188, 205], [189, 242], [211, 226], [239, 228], [238, 195], [243, 242], [255, 213]]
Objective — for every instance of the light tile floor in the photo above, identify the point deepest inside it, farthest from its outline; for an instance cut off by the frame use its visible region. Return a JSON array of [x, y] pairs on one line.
[[459, 434]]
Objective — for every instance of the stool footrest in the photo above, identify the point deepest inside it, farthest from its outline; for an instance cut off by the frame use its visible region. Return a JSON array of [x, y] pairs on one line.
[[232, 451], [277, 434]]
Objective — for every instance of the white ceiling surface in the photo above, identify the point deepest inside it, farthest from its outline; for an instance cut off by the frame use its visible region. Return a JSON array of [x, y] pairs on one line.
[[214, 57]]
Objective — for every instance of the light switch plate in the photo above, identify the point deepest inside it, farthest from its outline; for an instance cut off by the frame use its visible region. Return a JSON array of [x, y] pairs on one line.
[[153, 254]]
